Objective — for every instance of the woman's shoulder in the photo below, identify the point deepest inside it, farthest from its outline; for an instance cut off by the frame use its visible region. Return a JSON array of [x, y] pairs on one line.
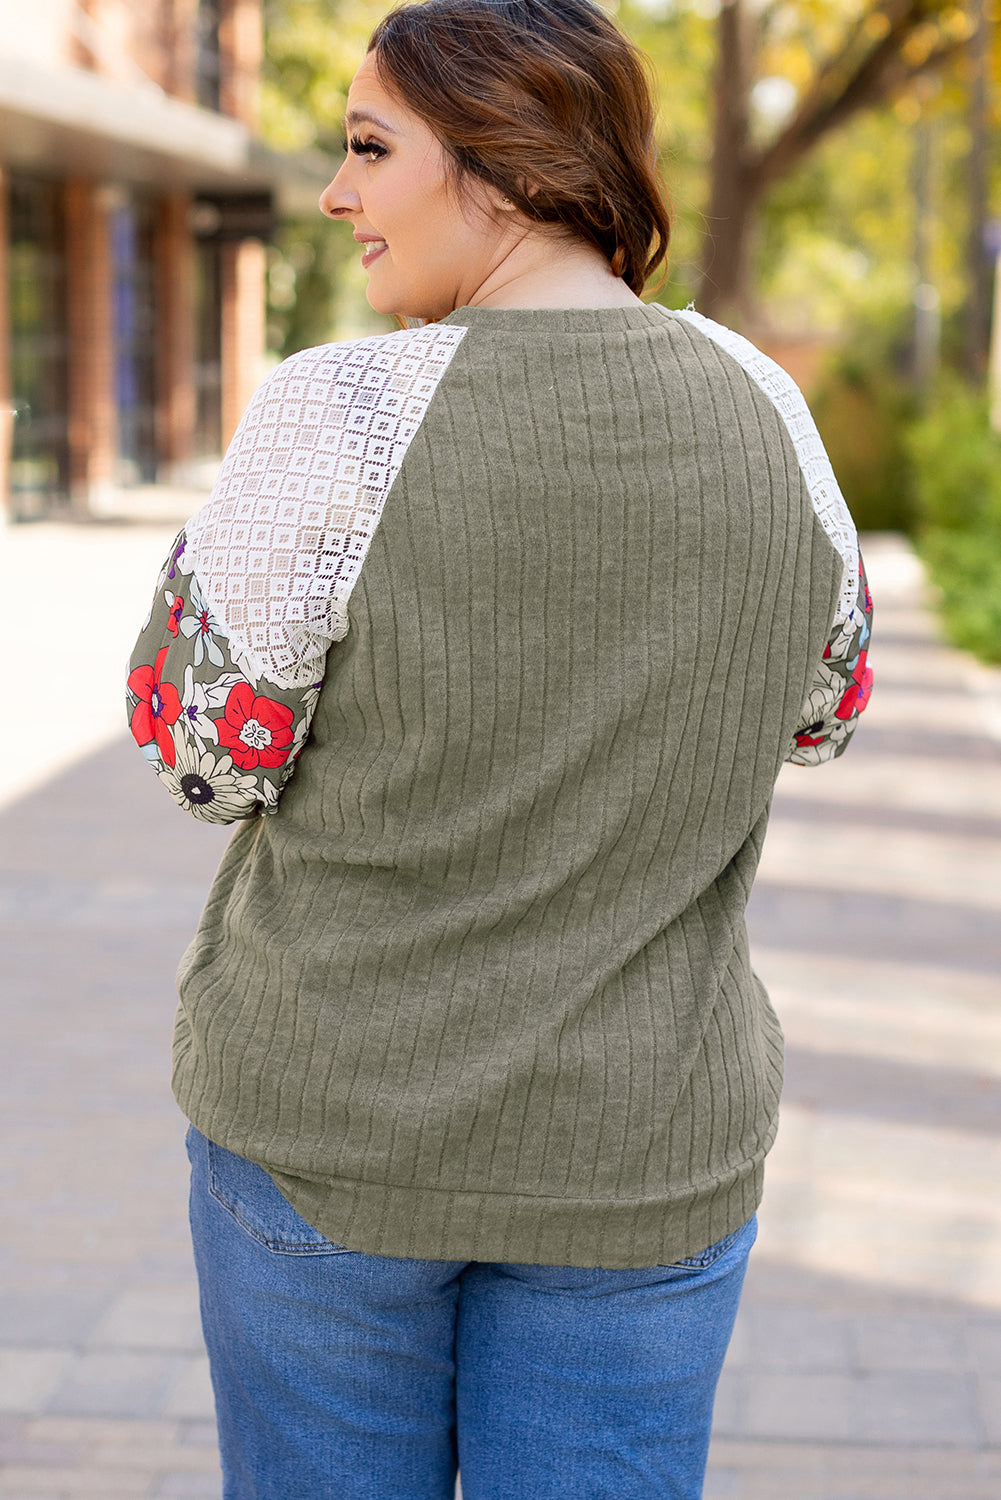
[[405, 348], [337, 382], [709, 338], [773, 383]]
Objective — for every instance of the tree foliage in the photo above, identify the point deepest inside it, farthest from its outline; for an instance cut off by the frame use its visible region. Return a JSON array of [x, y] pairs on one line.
[[790, 134], [786, 140], [312, 48], [836, 61]]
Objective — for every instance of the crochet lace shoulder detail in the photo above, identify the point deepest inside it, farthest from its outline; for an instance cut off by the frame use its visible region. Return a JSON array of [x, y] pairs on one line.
[[825, 492], [280, 543]]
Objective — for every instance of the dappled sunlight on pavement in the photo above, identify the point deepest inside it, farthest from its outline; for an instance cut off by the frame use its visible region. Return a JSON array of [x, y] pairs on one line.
[[104, 1385], [72, 598], [866, 1364]]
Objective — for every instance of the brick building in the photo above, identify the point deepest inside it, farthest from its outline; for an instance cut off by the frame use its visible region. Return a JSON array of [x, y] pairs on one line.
[[135, 203]]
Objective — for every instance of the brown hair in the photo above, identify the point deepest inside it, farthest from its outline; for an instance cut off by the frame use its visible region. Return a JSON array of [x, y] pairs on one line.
[[548, 102]]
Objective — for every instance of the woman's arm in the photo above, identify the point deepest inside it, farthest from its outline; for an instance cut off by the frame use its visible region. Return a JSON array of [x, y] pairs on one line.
[[221, 739], [840, 688], [226, 674], [843, 680]]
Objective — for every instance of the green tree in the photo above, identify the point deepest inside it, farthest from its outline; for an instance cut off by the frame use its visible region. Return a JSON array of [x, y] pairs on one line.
[[793, 185], [312, 48], [836, 61]]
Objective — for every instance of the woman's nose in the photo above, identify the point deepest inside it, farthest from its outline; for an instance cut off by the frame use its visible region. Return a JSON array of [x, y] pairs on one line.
[[336, 200]]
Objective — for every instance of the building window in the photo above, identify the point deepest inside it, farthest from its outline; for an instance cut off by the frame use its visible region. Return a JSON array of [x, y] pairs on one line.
[[38, 347], [208, 61], [208, 349], [135, 339]]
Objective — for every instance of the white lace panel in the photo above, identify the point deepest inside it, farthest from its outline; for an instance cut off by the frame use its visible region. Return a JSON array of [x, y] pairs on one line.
[[825, 493], [280, 543]]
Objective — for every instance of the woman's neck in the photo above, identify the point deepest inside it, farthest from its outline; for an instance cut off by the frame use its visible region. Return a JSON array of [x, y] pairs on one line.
[[543, 271]]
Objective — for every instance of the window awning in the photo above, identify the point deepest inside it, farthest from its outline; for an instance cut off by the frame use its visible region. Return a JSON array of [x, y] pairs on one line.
[[63, 121]]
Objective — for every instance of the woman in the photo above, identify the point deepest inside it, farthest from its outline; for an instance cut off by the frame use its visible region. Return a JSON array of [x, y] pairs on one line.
[[479, 1074]]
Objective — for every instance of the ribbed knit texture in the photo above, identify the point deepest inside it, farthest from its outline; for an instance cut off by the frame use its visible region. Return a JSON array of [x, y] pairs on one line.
[[481, 988]]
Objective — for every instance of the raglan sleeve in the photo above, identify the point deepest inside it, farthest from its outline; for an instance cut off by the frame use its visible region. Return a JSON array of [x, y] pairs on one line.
[[226, 674], [841, 685], [842, 680], [219, 697]]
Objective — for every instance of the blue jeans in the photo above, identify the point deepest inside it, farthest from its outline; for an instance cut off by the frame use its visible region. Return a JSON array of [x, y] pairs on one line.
[[343, 1376]]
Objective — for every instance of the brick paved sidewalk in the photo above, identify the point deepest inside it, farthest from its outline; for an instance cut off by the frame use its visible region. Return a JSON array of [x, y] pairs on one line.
[[866, 1364], [867, 1359], [103, 1384]]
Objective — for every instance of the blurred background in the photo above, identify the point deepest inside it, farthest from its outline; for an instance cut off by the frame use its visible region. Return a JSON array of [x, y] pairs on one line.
[[835, 170]]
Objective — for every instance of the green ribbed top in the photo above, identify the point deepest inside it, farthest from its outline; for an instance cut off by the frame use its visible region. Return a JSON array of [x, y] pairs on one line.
[[481, 988]]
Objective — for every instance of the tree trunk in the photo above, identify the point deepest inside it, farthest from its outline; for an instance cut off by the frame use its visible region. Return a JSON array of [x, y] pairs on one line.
[[978, 264], [871, 65], [725, 283]]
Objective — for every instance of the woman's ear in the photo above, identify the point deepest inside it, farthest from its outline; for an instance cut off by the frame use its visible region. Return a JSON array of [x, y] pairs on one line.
[[508, 206]]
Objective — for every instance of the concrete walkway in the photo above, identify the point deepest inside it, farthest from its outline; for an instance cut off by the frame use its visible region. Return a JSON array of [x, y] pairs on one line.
[[867, 1359]]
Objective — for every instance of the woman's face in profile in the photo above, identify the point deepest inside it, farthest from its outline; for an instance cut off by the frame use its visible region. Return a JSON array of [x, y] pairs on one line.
[[426, 251]]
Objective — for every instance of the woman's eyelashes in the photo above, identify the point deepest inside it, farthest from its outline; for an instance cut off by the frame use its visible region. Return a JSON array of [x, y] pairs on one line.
[[358, 147]]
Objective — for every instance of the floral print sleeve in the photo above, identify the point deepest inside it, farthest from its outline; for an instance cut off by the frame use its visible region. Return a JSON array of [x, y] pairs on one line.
[[227, 671], [842, 683], [222, 740], [840, 688]]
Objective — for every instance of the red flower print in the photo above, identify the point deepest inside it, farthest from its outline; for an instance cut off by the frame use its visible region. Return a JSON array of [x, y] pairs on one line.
[[255, 731], [857, 696], [158, 708], [176, 611], [805, 738]]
